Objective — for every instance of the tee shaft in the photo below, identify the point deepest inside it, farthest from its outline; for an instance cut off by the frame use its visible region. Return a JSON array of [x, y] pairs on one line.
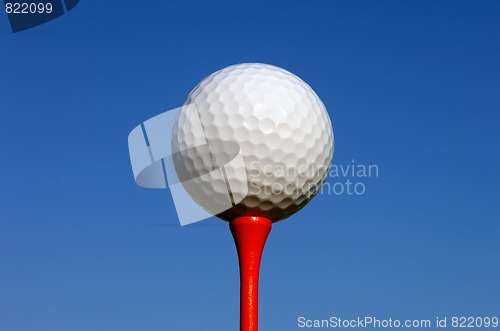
[[250, 234]]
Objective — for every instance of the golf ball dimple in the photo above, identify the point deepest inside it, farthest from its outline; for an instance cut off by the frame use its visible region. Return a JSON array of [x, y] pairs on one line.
[[280, 128]]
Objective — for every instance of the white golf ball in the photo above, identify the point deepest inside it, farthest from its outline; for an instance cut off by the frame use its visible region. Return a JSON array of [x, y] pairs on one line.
[[252, 140]]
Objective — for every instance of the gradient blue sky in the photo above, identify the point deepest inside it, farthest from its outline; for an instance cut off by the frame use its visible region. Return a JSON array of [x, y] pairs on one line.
[[410, 86]]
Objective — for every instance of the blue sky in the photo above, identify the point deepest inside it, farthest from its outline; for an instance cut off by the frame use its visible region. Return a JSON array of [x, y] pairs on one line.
[[412, 87]]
